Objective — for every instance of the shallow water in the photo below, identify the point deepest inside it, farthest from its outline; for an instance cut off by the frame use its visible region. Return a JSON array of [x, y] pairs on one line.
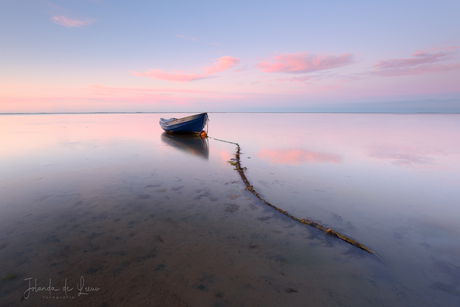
[[143, 218]]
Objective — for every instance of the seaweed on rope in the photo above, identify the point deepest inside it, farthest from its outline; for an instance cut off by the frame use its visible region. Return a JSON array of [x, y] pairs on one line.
[[250, 188]]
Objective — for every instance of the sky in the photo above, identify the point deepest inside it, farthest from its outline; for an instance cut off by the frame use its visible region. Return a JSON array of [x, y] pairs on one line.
[[229, 56]]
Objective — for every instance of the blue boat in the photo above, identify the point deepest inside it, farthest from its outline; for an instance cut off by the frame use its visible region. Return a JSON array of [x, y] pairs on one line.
[[189, 124]]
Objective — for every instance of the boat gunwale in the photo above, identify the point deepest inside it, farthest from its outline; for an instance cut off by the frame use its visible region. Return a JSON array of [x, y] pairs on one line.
[[177, 125], [173, 119]]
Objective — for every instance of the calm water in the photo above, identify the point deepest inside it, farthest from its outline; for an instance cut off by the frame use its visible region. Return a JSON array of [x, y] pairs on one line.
[[124, 215]]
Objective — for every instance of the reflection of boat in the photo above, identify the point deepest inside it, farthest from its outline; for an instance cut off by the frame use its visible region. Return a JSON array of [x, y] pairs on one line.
[[190, 143], [189, 124]]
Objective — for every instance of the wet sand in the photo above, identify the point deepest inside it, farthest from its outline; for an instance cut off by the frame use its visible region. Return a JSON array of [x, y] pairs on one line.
[[194, 242]]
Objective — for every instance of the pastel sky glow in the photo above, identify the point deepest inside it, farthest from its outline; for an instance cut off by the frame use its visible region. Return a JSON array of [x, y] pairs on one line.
[[220, 64], [253, 56]]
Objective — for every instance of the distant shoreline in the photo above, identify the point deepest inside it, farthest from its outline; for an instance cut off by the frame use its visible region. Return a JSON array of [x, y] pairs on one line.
[[99, 113]]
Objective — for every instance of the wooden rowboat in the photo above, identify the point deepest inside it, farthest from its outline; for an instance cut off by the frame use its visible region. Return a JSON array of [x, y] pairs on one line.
[[189, 124]]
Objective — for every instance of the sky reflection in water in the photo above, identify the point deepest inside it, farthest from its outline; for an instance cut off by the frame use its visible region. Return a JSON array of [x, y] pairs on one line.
[[114, 199]]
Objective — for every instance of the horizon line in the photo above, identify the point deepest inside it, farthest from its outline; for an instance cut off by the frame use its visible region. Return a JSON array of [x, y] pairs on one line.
[[154, 112]]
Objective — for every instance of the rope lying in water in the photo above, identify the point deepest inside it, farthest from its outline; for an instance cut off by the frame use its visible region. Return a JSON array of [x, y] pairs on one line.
[[326, 230]]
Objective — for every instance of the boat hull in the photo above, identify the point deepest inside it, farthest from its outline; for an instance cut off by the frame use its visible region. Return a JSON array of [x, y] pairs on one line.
[[189, 124]]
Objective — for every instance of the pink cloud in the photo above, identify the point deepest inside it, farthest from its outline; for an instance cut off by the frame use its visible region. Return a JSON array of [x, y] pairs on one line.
[[400, 158], [303, 62], [421, 62], [218, 65], [221, 64], [296, 156], [225, 157], [71, 23]]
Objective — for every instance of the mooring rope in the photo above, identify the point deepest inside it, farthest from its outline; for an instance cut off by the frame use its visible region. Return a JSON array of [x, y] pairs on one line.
[[249, 187]]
